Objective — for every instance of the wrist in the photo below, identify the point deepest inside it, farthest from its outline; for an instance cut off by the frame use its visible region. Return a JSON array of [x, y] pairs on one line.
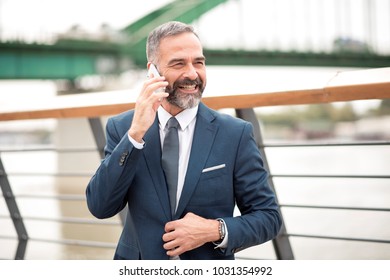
[[137, 136]]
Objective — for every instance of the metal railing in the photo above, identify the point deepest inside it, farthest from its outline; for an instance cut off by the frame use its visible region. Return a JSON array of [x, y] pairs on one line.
[[349, 177], [348, 86]]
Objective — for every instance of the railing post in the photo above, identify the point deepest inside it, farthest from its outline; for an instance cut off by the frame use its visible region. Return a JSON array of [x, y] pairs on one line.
[[98, 134], [281, 243], [100, 140], [14, 213]]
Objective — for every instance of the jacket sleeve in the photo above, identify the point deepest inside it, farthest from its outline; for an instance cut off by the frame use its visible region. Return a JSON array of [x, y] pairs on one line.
[[260, 220], [107, 190]]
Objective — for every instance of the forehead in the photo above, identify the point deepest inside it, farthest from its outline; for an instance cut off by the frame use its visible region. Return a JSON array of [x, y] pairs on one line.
[[182, 46]]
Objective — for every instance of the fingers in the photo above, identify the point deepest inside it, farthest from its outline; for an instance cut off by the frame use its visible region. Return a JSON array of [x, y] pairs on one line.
[[174, 245], [146, 106], [188, 233], [151, 97], [177, 238], [153, 86], [170, 226], [175, 252], [172, 239]]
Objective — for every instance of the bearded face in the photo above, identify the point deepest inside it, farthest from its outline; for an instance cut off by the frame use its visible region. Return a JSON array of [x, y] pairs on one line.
[[185, 93]]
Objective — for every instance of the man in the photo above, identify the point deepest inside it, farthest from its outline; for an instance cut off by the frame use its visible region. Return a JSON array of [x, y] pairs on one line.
[[219, 166]]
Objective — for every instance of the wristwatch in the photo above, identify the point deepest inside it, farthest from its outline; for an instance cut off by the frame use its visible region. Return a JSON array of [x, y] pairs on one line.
[[221, 229]]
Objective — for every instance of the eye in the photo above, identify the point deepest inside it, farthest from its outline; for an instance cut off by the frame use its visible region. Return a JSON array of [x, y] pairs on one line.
[[177, 65], [200, 62]]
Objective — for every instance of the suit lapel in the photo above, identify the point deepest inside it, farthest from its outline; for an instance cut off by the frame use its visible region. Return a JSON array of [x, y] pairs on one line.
[[152, 153], [204, 134]]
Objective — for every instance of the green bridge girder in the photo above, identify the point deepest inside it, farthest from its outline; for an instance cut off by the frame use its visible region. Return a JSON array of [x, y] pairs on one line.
[[278, 58], [71, 58], [68, 60], [63, 60], [183, 10]]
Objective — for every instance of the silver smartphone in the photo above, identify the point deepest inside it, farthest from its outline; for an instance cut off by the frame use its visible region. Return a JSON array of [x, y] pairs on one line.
[[153, 70]]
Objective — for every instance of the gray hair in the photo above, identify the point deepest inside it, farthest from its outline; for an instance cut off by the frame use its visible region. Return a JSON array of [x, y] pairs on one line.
[[171, 28]]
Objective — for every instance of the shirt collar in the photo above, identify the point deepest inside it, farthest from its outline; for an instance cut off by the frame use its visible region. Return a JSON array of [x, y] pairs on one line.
[[184, 118]]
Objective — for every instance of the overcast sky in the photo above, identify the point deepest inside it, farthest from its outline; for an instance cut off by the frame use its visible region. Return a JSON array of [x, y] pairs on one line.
[[279, 24]]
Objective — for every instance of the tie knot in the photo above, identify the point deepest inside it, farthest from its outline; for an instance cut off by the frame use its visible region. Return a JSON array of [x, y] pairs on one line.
[[172, 122]]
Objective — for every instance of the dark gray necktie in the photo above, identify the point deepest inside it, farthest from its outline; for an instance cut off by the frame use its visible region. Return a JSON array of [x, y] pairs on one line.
[[170, 160]]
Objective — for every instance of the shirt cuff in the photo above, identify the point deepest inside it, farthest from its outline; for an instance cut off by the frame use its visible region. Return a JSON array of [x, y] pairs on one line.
[[136, 144]]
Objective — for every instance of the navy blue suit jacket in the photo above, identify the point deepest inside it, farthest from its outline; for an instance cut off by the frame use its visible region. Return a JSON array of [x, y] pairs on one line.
[[128, 176]]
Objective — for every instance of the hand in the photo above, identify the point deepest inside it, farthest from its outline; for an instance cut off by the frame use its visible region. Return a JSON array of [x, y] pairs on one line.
[[188, 233], [146, 107]]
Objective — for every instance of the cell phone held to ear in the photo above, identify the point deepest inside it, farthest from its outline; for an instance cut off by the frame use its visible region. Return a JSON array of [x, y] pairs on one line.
[[153, 70]]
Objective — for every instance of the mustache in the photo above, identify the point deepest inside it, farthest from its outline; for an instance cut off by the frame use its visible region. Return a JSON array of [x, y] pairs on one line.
[[188, 82]]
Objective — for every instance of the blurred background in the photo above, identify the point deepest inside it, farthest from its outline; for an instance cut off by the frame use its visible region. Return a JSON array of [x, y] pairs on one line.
[[50, 48]]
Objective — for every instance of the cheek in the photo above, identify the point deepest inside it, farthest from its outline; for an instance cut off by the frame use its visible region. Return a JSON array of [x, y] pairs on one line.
[[202, 76], [171, 75]]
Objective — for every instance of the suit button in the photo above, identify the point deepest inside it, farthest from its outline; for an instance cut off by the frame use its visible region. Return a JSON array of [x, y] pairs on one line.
[[123, 158]]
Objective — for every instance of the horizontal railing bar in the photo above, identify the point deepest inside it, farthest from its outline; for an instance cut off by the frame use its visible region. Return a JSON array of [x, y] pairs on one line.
[[330, 176], [75, 242], [340, 238], [335, 207], [55, 197], [62, 174], [111, 245], [49, 149], [8, 237], [69, 220], [325, 144], [74, 221], [272, 175], [265, 145]]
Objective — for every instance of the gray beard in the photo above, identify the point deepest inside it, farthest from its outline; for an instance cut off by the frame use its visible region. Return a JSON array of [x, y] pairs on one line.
[[184, 101]]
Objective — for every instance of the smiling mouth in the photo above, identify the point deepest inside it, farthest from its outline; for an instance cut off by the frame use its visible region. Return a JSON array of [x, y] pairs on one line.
[[188, 87]]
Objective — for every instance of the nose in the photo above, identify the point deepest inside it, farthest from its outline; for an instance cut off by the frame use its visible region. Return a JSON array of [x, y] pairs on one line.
[[190, 72]]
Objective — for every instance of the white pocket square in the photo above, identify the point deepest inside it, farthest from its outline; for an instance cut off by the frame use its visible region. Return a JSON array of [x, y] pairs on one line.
[[213, 168]]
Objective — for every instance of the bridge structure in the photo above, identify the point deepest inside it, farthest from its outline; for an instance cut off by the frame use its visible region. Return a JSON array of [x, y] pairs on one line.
[[69, 58]]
